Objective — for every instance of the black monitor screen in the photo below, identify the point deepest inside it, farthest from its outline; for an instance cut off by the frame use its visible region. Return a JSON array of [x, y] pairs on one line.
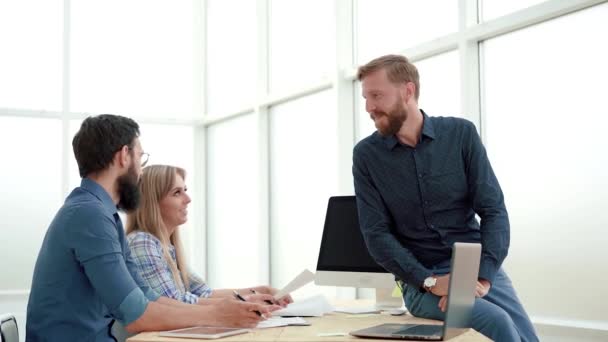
[[342, 246]]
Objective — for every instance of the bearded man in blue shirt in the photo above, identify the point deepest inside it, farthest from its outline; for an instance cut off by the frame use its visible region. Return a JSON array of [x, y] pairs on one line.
[[419, 182], [84, 277]]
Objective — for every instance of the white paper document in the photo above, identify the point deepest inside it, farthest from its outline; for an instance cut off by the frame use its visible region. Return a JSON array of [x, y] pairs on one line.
[[357, 310], [281, 322], [314, 306], [302, 279]]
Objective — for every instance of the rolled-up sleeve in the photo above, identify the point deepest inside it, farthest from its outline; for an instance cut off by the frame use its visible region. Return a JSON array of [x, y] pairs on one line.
[[96, 246], [198, 287]]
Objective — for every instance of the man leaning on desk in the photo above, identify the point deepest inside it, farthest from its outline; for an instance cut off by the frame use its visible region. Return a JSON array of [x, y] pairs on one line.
[[84, 277], [419, 181]]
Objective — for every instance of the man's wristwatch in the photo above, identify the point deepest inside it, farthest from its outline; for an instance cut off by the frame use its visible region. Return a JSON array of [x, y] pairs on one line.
[[429, 282]]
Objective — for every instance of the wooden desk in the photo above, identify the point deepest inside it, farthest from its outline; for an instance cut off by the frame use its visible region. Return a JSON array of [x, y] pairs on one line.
[[330, 323]]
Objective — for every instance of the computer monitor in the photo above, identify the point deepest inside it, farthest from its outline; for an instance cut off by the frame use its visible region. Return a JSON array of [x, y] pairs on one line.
[[343, 257]]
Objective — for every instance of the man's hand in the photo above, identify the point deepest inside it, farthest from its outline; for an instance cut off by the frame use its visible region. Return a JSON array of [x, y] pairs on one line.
[[443, 303], [482, 288], [283, 301], [441, 287], [228, 312]]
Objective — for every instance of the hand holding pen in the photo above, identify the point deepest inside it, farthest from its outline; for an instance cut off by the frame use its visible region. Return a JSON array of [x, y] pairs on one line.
[[267, 290], [269, 309], [267, 301]]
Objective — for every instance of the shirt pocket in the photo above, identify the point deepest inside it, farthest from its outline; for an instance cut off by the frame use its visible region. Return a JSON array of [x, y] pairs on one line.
[[446, 187]]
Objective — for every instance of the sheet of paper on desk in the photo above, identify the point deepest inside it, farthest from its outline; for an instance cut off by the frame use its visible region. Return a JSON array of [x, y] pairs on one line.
[[313, 306], [300, 280], [281, 322], [357, 310]]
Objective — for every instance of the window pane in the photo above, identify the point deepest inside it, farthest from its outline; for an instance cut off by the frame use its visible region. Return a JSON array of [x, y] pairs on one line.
[[545, 127], [439, 91], [304, 173], [301, 48], [235, 245], [491, 9], [169, 144], [391, 26], [31, 194], [31, 36], [134, 68], [440, 84], [231, 52]]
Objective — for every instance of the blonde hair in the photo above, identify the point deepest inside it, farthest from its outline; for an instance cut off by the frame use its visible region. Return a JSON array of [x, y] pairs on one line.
[[156, 182], [398, 69]]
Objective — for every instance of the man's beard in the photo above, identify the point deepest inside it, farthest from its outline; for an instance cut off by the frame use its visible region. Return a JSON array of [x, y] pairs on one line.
[[128, 191], [396, 117]]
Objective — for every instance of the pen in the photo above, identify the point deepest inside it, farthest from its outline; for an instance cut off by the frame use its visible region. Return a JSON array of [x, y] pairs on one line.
[[239, 297], [266, 300]]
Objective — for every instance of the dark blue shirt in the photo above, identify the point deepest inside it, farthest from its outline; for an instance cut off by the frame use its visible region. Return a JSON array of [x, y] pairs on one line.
[[84, 276], [415, 202]]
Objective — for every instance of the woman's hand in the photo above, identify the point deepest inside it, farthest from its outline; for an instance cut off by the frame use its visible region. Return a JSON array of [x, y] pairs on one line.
[[230, 312], [264, 289]]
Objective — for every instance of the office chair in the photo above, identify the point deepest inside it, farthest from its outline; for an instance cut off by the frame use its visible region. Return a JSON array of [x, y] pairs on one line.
[[8, 328]]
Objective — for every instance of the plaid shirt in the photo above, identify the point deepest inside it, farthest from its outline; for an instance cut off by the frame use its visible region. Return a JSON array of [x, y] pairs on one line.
[[147, 254]]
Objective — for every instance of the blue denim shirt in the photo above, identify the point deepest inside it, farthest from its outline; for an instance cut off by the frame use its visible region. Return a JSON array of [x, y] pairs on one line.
[[84, 276], [415, 202]]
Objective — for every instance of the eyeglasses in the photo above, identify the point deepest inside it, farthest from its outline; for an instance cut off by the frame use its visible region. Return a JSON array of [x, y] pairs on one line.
[[144, 156]]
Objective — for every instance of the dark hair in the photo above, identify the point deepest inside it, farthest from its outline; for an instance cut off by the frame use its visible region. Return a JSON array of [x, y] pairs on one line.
[[99, 138]]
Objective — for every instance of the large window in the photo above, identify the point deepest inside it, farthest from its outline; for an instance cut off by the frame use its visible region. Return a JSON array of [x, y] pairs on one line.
[[390, 26], [231, 55], [545, 122], [31, 193], [301, 48], [303, 175], [235, 243], [31, 56], [253, 99], [491, 9], [440, 85], [132, 58]]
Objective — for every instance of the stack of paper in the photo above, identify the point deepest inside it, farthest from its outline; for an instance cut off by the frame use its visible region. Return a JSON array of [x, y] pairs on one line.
[[357, 310], [281, 322], [314, 306]]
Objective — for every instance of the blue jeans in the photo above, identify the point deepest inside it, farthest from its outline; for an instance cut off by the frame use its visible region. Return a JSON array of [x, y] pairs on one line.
[[499, 315]]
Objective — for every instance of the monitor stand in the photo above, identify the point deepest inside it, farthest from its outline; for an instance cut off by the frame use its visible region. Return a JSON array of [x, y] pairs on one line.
[[386, 301]]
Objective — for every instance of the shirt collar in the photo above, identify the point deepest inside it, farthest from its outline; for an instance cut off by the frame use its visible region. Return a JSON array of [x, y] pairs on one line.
[[428, 130], [99, 192]]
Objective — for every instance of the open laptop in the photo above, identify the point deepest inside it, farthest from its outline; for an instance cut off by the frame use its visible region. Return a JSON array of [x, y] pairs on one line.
[[461, 297]]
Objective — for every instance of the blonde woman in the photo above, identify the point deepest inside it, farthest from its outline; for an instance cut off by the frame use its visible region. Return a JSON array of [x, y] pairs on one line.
[[153, 238]]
